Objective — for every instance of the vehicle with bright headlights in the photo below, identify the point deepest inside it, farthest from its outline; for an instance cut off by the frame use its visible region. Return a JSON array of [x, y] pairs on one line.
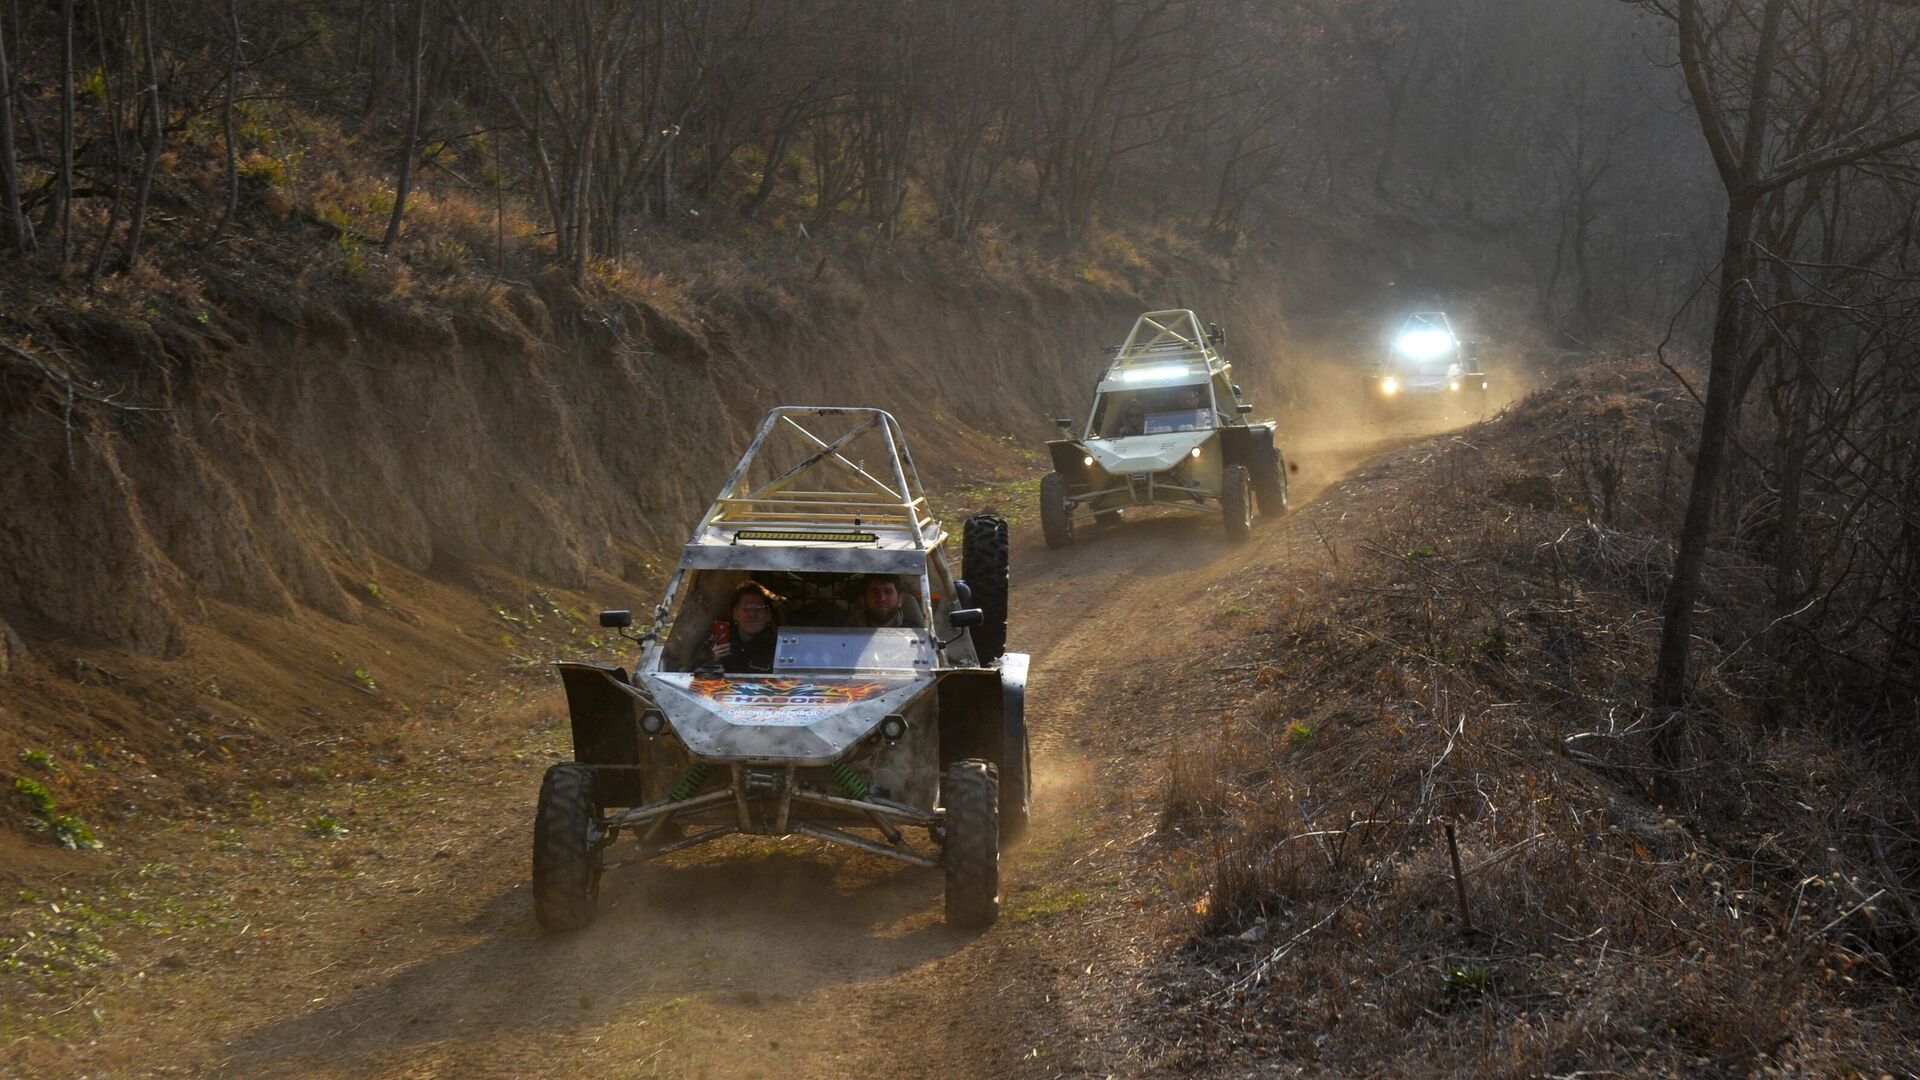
[[1168, 429], [1427, 362], [841, 730]]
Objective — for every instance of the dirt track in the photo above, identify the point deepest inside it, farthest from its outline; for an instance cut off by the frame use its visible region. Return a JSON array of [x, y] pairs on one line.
[[752, 957]]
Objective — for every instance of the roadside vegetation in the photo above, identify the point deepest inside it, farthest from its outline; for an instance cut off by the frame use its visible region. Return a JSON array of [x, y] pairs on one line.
[[1452, 836]]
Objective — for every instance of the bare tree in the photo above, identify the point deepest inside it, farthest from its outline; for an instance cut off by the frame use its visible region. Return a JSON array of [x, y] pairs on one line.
[[1731, 56]]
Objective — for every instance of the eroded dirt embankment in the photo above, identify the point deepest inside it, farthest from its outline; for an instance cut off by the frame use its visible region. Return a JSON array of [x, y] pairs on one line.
[[533, 431]]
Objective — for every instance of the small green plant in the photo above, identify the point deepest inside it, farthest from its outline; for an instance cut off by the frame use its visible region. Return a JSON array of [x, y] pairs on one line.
[[1051, 905], [373, 589], [1493, 646], [94, 86], [41, 760], [73, 834], [1235, 611], [364, 677], [324, 827], [262, 169], [69, 831], [1299, 733], [39, 799], [1466, 982], [1423, 552], [353, 256]]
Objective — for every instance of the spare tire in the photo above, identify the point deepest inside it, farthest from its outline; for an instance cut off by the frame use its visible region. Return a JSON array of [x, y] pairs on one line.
[[983, 564]]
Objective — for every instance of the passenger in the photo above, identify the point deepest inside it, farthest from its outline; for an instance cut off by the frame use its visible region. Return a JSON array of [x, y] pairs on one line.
[[882, 603], [752, 631], [1133, 419]]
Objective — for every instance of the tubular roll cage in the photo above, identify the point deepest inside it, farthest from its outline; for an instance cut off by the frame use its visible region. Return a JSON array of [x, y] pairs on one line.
[[889, 510], [1160, 336], [895, 506]]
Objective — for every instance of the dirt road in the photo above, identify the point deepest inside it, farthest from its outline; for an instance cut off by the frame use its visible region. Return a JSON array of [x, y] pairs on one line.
[[412, 951]]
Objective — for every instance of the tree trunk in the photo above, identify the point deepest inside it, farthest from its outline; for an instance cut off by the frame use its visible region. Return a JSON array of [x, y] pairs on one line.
[[63, 203], [1676, 631], [404, 186], [156, 132], [1739, 171], [9, 175], [226, 122]]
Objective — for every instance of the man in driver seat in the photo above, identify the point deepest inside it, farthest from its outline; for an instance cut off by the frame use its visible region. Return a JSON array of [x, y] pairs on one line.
[[883, 603]]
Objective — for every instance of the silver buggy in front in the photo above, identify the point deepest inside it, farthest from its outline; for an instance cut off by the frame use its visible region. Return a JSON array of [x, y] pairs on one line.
[[848, 732]]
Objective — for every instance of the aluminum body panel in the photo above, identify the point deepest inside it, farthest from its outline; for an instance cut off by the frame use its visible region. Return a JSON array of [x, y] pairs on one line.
[[787, 720]]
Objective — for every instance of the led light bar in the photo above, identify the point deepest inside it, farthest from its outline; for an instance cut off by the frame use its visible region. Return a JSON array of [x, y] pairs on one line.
[[787, 536], [1158, 371]]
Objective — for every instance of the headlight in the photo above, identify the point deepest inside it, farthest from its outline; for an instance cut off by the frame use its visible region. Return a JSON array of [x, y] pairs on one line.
[[653, 722], [1454, 385], [1424, 344], [1389, 386], [1087, 461], [1195, 454]]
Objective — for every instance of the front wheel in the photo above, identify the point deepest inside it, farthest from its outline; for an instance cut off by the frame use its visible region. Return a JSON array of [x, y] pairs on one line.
[[566, 849], [971, 795], [1056, 520], [1236, 503], [1270, 484]]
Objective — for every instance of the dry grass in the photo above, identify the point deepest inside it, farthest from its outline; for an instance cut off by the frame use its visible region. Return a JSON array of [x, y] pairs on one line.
[[1478, 659]]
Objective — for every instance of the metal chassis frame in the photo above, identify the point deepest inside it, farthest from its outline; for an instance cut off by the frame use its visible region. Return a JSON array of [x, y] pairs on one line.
[[1197, 503], [884, 815]]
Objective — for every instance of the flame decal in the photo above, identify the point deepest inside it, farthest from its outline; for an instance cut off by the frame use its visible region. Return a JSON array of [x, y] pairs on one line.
[[784, 693]]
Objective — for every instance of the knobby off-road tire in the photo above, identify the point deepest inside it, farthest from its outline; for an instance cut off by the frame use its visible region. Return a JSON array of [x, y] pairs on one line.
[[566, 858], [1270, 483], [1236, 503], [971, 795], [1056, 521], [983, 565]]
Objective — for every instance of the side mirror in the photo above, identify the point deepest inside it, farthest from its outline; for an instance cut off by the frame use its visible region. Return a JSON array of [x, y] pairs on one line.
[[1064, 423], [966, 617], [1243, 409], [616, 620], [1216, 333]]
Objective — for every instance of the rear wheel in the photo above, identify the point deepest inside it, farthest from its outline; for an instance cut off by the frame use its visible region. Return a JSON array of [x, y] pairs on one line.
[[983, 564], [566, 849], [970, 793], [1056, 520], [1236, 503]]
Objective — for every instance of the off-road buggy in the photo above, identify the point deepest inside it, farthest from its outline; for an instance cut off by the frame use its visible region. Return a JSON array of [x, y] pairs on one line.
[[856, 734], [1428, 364], [1168, 428]]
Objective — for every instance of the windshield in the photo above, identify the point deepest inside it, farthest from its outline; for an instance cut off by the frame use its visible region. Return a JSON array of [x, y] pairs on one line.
[[741, 620], [1120, 414]]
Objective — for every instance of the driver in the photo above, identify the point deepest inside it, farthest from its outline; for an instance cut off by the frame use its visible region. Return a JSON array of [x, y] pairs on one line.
[[1133, 419], [752, 629], [882, 603]]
